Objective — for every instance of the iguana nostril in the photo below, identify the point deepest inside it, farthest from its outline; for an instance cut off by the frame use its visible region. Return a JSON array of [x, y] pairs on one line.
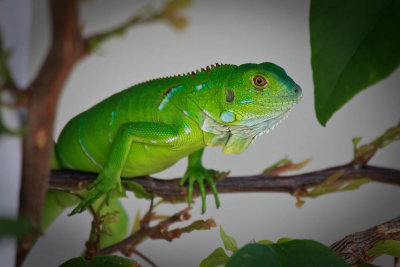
[[296, 90]]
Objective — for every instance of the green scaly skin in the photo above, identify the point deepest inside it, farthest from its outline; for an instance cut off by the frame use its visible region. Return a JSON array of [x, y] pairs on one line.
[[150, 126], [116, 230]]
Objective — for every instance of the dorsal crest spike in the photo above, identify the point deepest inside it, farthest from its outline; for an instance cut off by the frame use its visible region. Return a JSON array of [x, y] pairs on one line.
[[206, 69]]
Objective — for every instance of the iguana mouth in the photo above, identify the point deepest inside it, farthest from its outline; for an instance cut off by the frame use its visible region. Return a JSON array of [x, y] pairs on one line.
[[280, 105], [237, 138]]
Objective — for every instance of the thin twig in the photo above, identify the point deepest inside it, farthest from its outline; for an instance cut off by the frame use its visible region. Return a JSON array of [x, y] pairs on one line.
[[169, 12], [93, 42], [160, 231], [144, 257], [93, 244], [364, 153], [153, 232]]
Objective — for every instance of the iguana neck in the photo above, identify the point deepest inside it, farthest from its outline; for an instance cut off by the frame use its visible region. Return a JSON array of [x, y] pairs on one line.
[[237, 138]]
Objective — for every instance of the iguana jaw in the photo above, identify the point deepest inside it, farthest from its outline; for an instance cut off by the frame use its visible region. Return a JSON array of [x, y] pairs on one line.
[[237, 138]]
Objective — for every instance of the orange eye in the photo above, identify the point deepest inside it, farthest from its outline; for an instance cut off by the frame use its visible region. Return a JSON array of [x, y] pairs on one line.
[[259, 80]]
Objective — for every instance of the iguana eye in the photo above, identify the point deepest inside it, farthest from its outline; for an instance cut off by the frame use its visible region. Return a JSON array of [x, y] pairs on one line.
[[259, 80]]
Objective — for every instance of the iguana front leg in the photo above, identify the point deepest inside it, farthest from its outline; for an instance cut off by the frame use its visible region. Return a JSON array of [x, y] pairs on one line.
[[109, 177], [197, 173]]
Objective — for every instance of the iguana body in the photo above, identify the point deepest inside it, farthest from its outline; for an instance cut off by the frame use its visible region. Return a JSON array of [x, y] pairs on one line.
[[150, 126]]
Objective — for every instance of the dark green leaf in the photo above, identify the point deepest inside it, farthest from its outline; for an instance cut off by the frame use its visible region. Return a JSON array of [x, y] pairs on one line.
[[100, 261], [388, 247], [216, 258], [290, 253], [14, 228], [229, 242], [138, 189], [252, 255], [366, 264], [354, 45], [284, 239]]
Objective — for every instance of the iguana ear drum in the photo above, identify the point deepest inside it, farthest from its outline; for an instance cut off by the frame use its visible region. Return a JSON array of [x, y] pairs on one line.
[[230, 95]]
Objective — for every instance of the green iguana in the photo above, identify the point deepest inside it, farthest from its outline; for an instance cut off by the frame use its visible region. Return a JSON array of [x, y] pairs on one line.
[[150, 126]]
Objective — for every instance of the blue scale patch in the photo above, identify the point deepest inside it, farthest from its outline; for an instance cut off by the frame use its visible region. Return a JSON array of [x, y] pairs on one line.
[[168, 96], [227, 116], [201, 87], [245, 101]]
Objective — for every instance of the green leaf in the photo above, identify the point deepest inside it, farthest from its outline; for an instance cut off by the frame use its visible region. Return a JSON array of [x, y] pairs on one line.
[[388, 247], [138, 189], [14, 228], [353, 45], [355, 141], [355, 184], [100, 261], [290, 253], [265, 242], [176, 4], [229, 242], [136, 223], [198, 225], [216, 258]]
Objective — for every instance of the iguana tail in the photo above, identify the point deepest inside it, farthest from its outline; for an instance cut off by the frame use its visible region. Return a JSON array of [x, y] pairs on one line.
[[55, 163], [116, 221]]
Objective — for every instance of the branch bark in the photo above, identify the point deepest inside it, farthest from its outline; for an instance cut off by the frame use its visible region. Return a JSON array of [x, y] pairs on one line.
[[140, 235], [292, 184], [65, 50], [354, 247], [159, 231]]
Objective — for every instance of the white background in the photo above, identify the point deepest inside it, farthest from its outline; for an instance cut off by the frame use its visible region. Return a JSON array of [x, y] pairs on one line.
[[232, 32]]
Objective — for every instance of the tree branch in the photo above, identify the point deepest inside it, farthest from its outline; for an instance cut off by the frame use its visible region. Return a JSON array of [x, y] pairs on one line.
[[292, 184], [169, 12], [355, 247], [65, 50], [93, 42], [352, 248], [159, 231]]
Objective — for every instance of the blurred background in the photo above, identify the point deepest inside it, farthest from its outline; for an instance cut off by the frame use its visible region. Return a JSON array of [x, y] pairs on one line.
[[233, 32]]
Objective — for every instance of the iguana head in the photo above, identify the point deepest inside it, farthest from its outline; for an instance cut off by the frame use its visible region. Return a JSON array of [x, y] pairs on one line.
[[254, 98]]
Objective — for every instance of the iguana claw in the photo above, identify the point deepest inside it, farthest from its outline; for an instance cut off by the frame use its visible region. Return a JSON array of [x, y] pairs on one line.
[[98, 188], [199, 174]]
